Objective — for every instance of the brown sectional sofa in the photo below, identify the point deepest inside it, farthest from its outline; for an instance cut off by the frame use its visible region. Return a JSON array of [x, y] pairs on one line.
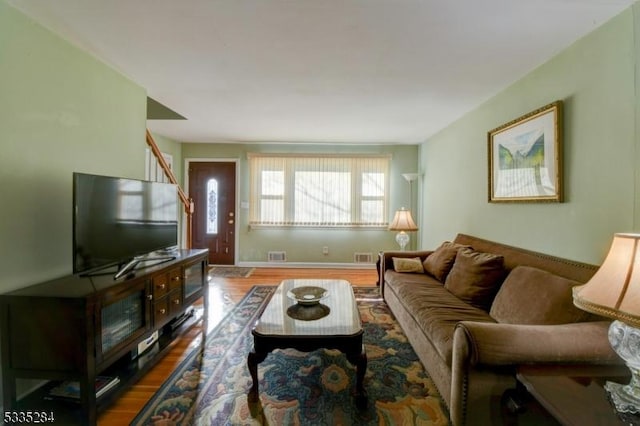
[[491, 308]]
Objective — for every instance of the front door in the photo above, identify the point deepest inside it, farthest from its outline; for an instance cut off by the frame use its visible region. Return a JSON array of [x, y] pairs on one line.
[[212, 186]]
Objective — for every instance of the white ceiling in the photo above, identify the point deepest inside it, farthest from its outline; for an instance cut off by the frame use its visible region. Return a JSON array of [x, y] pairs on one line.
[[334, 71]]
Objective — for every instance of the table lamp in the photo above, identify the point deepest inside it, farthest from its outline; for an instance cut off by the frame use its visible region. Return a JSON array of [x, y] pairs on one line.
[[402, 222], [614, 292]]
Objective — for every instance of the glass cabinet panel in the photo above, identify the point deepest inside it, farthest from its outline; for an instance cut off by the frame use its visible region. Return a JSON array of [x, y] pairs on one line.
[[124, 318], [193, 278]]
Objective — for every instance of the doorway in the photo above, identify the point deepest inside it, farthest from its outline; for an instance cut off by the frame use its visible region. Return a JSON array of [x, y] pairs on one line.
[[212, 186]]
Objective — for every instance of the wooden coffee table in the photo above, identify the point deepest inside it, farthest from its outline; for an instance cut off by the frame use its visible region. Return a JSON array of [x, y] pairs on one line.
[[336, 326]]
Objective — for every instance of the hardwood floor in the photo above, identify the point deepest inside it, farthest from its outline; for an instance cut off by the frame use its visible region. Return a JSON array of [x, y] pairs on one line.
[[224, 293]]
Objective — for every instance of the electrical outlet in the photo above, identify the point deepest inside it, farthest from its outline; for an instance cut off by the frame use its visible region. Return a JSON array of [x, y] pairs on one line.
[[325, 250]]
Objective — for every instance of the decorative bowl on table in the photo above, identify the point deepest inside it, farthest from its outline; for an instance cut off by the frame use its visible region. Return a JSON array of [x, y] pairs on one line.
[[307, 295]]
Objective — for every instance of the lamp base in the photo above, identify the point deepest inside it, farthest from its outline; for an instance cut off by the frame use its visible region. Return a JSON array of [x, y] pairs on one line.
[[621, 398], [625, 341], [402, 238]]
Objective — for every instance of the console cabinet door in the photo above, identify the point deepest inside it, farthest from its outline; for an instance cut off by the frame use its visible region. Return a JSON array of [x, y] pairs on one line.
[[123, 317], [194, 280]]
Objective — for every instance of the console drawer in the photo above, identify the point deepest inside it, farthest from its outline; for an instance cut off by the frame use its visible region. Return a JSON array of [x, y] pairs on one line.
[[175, 279], [161, 311], [175, 302], [160, 285]]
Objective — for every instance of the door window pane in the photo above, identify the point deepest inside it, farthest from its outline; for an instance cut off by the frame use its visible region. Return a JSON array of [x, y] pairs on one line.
[[212, 206]]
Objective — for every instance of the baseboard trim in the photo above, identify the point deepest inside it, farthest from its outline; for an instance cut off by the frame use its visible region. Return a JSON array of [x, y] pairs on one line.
[[320, 265]]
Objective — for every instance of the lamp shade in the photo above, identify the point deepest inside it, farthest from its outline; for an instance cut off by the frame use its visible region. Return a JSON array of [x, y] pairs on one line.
[[410, 177], [403, 221], [614, 290]]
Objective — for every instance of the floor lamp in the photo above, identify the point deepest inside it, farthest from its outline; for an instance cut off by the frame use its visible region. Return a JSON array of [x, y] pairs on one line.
[[410, 177]]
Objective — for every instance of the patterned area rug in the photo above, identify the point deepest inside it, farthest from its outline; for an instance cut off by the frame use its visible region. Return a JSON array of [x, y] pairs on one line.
[[210, 386], [230, 271]]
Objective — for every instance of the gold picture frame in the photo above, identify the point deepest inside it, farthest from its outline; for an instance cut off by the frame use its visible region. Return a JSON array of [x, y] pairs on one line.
[[525, 158]]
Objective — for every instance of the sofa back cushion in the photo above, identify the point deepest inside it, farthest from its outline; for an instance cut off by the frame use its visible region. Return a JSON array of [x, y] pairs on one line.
[[439, 263], [516, 256], [532, 296], [475, 277]]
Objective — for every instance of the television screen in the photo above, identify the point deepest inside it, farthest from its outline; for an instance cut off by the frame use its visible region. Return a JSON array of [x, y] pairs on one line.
[[117, 219]]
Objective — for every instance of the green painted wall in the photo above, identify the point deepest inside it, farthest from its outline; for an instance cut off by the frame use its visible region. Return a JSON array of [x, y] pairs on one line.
[[595, 78], [306, 245], [61, 111]]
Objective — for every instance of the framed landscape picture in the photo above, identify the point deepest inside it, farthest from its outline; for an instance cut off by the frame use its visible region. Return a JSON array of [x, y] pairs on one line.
[[525, 158]]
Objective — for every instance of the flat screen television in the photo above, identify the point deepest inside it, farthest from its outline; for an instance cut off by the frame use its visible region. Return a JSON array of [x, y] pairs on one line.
[[118, 221]]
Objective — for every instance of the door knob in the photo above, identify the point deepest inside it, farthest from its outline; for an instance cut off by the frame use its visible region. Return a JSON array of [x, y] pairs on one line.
[[230, 221]]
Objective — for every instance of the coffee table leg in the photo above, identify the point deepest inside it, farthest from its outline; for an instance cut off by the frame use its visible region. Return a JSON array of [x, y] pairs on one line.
[[253, 359], [360, 361]]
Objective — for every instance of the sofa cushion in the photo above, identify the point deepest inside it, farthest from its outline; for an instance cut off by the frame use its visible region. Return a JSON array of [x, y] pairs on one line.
[[408, 264], [440, 262], [435, 310], [476, 277], [536, 297], [392, 277]]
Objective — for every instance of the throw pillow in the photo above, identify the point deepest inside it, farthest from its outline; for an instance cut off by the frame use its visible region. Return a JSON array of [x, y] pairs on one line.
[[476, 277], [536, 297], [439, 263], [404, 264]]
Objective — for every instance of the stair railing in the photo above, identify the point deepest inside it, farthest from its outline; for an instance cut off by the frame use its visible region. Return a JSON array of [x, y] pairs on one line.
[[186, 201]]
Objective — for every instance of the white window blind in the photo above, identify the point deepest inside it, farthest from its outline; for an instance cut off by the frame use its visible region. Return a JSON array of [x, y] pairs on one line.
[[319, 190]]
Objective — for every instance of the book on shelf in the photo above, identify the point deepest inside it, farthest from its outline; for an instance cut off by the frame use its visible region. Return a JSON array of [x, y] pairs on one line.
[[70, 390]]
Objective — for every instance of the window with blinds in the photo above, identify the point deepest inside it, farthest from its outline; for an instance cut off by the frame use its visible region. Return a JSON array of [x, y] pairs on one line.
[[319, 190]]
